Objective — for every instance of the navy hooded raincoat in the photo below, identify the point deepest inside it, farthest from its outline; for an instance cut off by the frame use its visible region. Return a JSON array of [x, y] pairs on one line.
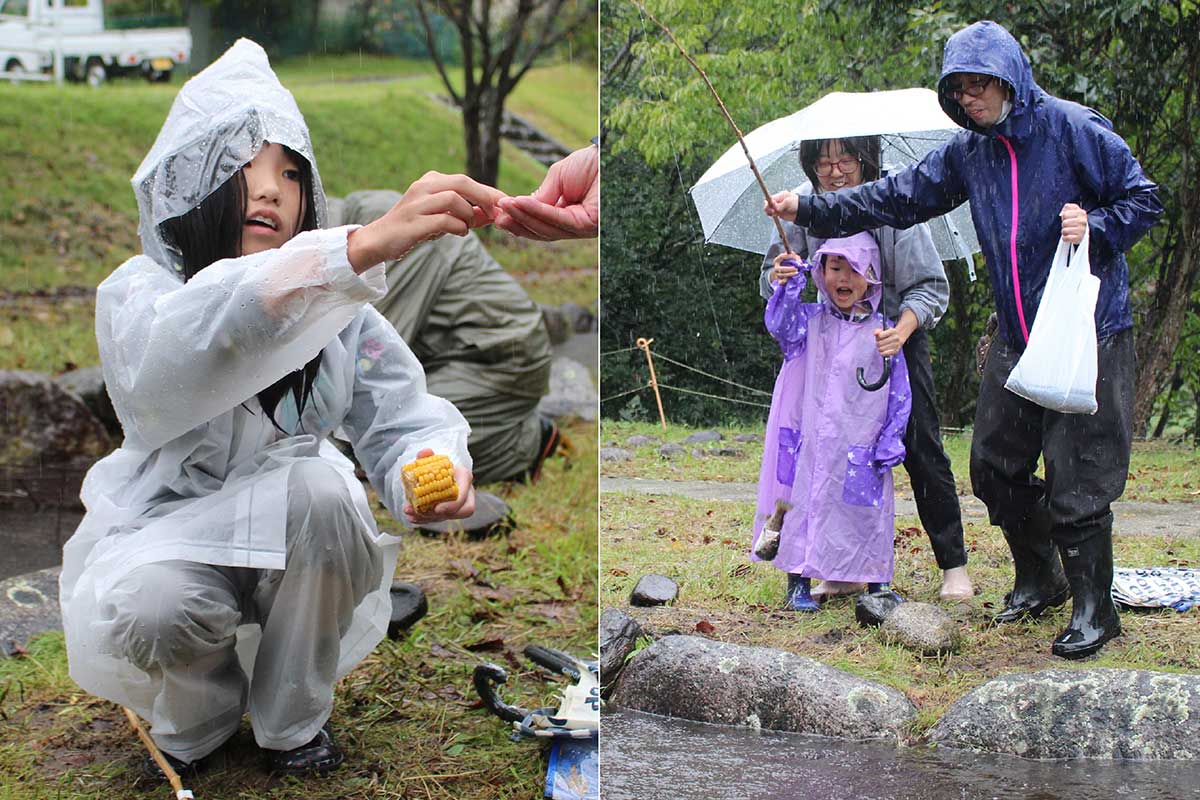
[[1017, 174]]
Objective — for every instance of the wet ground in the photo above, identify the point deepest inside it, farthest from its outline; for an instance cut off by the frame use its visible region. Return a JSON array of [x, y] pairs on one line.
[[646, 756], [33, 540]]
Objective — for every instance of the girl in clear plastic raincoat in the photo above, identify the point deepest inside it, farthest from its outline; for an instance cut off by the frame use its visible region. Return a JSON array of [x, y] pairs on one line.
[[229, 561], [830, 445]]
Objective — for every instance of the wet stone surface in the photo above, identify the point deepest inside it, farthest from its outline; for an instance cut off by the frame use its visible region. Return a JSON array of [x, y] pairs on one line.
[[1097, 713], [671, 450], [702, 437], [615, 454], [639, 441], [408, 606], [709, 681], [619, 633], [28, 606], [871, 610], [654, 590]]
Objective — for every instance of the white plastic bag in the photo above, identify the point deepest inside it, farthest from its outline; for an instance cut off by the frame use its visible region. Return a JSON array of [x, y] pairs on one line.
[[1058, 368]]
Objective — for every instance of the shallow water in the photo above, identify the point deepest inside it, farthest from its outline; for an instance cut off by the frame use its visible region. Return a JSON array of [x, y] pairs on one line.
[[646, 757]]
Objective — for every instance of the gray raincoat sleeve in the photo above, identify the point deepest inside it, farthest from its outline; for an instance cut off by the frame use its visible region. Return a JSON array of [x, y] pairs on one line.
[[918, 277], [177, 355]]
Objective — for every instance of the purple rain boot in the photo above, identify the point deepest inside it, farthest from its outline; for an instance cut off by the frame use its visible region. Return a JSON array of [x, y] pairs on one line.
[[799, 594]]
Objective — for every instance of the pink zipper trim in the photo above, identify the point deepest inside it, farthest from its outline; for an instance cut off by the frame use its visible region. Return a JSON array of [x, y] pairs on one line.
[[1012, 242]]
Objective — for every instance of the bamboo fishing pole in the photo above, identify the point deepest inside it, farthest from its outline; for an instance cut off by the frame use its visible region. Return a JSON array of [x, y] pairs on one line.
[[737, 131], [172, 776]]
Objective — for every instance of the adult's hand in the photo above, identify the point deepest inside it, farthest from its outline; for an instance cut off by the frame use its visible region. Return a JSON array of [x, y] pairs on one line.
[[785, 268], [889, 340], [1074, 223], [785, 204], [565, 206], [433, 206], [460, 508]]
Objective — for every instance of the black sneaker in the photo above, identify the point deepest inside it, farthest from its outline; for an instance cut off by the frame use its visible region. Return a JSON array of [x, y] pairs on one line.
[[318, 757], [185, 769]]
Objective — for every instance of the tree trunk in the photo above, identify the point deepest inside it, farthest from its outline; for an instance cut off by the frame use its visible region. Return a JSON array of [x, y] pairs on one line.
[[198, 15], [1176, 382], [471, 115]]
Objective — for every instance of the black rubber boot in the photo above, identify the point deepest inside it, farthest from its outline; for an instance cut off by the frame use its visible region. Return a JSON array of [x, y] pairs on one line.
[[1038, 582], [317, 757], [184, 769], [1094, 620]]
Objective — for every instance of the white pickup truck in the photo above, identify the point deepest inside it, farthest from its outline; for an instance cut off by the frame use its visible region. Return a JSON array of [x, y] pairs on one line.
[[32, 30]]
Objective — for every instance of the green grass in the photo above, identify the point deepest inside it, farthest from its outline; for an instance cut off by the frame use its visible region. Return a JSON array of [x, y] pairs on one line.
[[68, 215], [702, 545], [407, 715], [1160, 471]]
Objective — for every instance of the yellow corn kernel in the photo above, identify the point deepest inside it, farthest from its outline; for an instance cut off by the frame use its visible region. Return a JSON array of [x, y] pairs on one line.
[[429, 481]]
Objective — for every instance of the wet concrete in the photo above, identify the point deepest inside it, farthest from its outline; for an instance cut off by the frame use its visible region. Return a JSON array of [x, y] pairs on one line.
[[28, 606], [1130, 518], [647, 756]]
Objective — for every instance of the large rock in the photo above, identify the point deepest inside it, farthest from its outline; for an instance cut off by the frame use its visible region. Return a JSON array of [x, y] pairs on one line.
[[619, 633], [710, 681], [88, 383], [638, 440], [922, 628], [870, 610], [571, 394], [615, 454], [1098, 713], [50, 439], [28, 606], [702, 437], [654, 590], [671, 449]]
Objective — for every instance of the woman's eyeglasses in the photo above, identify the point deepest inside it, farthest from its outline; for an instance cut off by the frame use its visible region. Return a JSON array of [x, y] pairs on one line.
[[845, 165], [971, 88]]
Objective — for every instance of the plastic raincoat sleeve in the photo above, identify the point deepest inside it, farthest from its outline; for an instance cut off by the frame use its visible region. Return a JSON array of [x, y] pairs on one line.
[[1128, 200], [799, 243], [920, 278], [177, 355], [392, 416], [918, 193], [889, 447], [786, 316]]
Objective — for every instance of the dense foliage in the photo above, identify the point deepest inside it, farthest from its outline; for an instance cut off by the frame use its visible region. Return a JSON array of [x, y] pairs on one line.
[[1136, 61]]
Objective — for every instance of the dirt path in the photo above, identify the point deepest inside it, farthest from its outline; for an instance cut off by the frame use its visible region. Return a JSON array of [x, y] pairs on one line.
[[1132, 518]]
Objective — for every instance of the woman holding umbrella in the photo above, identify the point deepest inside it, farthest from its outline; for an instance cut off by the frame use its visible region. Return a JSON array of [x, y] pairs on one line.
[[915, 294]]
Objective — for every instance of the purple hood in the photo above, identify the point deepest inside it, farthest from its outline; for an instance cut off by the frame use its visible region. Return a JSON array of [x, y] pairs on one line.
[[862, 253]]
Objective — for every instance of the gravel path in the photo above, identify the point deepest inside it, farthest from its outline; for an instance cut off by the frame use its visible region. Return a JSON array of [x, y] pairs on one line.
[[1132, 518]]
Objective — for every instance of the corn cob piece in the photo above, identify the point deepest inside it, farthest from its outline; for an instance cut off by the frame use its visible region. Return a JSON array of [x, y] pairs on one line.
[[429, 481]]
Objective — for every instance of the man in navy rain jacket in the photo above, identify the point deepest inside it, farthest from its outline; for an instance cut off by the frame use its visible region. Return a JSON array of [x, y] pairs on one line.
[[1034, 168]]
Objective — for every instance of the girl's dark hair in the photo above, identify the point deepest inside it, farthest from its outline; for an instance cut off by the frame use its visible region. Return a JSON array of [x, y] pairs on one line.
[[213, 230], [866, 148]]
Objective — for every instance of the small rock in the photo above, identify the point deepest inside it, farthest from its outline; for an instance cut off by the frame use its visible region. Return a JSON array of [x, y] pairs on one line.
[[88, 383], [619, 633], [615, 454], [408, 606], [670, 450], [698, 452], [639, 441], [922, 628], [701, 437], [654, 590], [872, 609], [727, 452], [747, 437], [571, 392]]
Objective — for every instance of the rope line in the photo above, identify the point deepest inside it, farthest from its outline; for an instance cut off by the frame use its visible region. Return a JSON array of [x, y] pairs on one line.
[[622, 394], [622, 350], [662, 385], [708, 374]]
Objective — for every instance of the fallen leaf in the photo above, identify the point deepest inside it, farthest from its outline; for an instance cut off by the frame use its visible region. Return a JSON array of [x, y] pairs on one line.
[[559, 612], [498, 594], [705, 627], [619, 573], [487, 645], [464, 568]]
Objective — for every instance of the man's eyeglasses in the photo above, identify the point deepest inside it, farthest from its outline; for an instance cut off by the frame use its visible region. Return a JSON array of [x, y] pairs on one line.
[[845, 165], [971, 88]]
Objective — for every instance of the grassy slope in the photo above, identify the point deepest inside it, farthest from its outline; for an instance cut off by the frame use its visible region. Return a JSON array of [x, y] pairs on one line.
[[702, 545], [68, 216]]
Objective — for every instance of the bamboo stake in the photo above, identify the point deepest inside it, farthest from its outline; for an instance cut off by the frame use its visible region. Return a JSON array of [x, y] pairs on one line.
[[737, 131], [172, 776], [645, 345]]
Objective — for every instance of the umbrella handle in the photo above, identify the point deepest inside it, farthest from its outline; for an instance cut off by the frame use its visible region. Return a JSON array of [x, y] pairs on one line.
[[883, 379]]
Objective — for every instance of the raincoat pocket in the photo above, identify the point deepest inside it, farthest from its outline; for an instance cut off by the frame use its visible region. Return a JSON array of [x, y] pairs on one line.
[[790, 440], [863, 485]]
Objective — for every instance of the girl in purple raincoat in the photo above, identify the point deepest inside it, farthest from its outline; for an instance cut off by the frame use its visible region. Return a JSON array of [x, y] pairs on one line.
[[830, 444]]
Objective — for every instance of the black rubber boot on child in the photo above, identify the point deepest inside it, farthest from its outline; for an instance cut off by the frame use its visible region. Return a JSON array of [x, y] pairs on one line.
[[1094, 620], [317, 757], [1038, 582]]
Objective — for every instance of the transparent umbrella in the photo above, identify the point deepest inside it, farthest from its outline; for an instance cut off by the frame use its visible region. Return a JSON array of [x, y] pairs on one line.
[[910, 123]]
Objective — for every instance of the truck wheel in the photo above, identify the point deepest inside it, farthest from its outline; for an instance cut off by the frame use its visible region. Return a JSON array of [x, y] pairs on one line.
[[159, 75], [15, 66], [96, 74]]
